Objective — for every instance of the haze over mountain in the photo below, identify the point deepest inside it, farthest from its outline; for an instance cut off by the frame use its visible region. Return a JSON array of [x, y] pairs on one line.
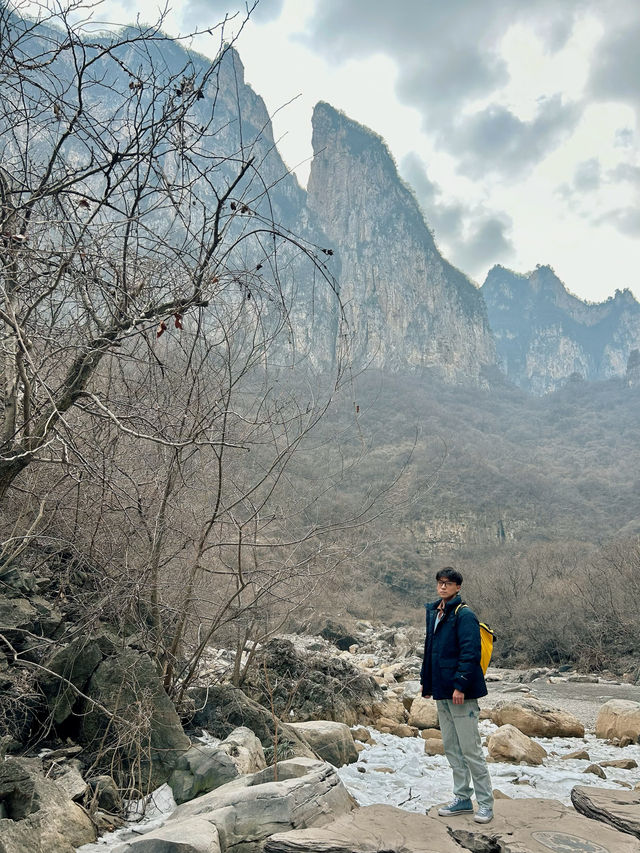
[[544, 334], [405, 306]]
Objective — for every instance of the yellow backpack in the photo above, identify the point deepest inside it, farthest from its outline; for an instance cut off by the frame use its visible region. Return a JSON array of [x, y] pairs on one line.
[[487, 636]]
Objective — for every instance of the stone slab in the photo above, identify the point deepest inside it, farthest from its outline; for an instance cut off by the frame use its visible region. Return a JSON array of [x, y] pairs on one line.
[[620, 809], [370, 829], [537, 826]]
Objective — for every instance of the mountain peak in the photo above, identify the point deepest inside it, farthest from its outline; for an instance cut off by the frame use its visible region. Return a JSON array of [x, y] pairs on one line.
[[408, 307]]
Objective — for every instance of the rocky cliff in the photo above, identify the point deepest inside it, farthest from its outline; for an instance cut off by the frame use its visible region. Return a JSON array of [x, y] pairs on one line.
[[544, 334], [407, 307]]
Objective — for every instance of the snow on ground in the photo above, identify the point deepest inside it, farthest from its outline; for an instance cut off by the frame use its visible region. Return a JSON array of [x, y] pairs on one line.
[[419, 781], [144, 815]]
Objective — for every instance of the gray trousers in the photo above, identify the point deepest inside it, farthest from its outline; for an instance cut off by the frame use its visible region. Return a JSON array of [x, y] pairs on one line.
[[461, 741]]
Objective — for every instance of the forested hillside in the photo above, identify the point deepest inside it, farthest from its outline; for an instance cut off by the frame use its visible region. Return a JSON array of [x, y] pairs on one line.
[[536, 499]]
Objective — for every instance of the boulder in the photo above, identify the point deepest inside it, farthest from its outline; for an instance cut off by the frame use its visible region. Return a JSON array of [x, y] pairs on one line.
[[74, 665], [69, 778], [619, 718], [367, 830], [39, 816], [511, 745], [426, 733], [310, 685], [361, 734], [529, 675], [21, 616], [620, 809], [433, 746], [248, 810], [196, 835], [536, 719], [533, 825], [411, 690], [580, 754], [245, 750], [392, 728], [424, 713], [142, 724], [105, 793], [18, 793], [222, 708], [391, 709], [596, 770], [199, 770], [333, 742], [622, 763], [337, 634]]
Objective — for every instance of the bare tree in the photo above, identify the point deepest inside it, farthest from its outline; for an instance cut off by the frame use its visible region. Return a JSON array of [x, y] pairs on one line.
[[125, 209], [157, 386]]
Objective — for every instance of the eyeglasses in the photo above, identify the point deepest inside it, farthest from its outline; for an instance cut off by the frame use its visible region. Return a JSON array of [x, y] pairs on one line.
[[446, 583]]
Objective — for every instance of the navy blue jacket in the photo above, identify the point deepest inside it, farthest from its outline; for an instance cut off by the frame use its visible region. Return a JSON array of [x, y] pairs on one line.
[[452, 653]]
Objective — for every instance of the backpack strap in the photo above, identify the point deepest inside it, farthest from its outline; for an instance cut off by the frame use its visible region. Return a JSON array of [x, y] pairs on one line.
[[462, 604]]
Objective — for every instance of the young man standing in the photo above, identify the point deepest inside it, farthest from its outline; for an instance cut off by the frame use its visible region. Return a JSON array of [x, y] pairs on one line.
[[451, 673]]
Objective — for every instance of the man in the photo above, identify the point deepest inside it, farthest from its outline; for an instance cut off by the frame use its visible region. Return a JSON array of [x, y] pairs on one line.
[[451, 673]]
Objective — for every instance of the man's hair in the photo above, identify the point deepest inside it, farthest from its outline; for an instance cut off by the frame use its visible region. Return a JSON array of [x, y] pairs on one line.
[[448, 573]]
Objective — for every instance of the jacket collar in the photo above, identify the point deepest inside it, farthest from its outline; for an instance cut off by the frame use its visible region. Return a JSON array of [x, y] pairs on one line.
[[449, 606]]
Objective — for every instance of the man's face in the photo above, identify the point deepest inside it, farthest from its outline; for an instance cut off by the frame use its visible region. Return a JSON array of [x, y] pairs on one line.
[[447, 589]]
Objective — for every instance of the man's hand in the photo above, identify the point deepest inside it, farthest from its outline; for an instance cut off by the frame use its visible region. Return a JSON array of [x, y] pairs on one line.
[[458, 697]]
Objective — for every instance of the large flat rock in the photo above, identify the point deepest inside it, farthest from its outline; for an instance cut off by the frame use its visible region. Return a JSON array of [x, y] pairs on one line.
[[620, 809], [537, 826], [371, 829], [248, 810]]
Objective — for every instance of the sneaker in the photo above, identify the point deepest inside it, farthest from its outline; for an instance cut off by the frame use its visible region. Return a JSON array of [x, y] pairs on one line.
[[483, 815], [456, 806]]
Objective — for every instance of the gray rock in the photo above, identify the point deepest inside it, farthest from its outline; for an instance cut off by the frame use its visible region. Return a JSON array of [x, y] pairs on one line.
[[199, 770], [368, 830], [69, 778], [410, 690], [105, 793], [333, 742], [245, 750], [75, 663], [18, 788], [620, 809], [246, 813], [222, 708], [311, 686], [337, 634], [39, 816], [531, 824], [196, 835], [143, 726]]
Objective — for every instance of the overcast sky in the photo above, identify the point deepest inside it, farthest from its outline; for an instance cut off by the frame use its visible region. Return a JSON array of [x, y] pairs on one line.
[[515, 121]]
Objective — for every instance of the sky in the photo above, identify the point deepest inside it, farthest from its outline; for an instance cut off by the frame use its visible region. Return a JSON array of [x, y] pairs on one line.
[[515, 121]]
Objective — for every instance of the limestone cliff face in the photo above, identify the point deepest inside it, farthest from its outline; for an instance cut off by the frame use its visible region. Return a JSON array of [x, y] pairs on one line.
[[544, 334], [406, 306], [272, 193]]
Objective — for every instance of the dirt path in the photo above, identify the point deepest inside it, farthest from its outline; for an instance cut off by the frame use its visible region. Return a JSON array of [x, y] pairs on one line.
[[581, 700]]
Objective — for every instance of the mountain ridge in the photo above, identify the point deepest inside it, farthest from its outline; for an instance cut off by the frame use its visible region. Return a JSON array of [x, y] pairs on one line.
[[546, 335]]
